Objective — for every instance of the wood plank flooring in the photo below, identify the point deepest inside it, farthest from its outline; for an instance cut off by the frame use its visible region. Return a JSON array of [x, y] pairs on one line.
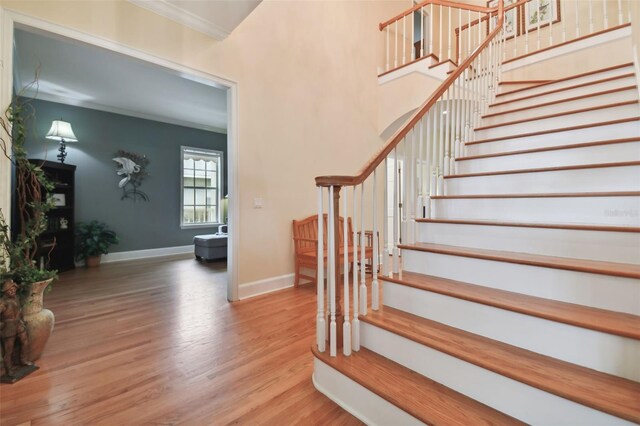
[[156, 342]]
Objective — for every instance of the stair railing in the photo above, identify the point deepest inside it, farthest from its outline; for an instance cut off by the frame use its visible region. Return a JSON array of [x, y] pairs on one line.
[[404, 175], [543, 24]]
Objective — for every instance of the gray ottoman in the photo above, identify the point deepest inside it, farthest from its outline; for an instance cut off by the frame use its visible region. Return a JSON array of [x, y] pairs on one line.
[[210, 246]]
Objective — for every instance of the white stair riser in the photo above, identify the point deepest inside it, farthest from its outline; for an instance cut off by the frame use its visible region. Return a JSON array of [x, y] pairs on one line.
[[602, 179], [577, 119], [533, 111], [621, 247], [591, 134], [615, 211], [612, 153], [509, 396], [618, 294], [356, 399], [572, 344], [565, 94], [502, 88], [563, 84]]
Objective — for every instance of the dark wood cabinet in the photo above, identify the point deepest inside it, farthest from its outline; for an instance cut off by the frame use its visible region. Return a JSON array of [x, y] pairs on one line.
[[57, 244]]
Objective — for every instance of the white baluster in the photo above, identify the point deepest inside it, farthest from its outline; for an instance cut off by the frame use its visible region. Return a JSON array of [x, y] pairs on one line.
[[409, 161], [577, 16], [431, 29], [538, 23], [456, 118], [331, 259], [526, 32], [404, 39], [355, 339], [515, 42], [619, 12], [604, 11], [412, 47], [591, 16], [385, 223], [440, 58], [447, 130], [421, 197], [449, 34], [459, 39], [375, 289], [395, 46], [427, 167], [403, 192], [346, 325], [563, 18], [434, 152], [320, 322], [441, 147], [422, 32], [551, 25], [396, 217], [479, 30], [388, 57], [363, 286], [469, 17]]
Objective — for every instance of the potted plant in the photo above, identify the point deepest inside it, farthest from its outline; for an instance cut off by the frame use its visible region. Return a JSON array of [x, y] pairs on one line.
[[93, 240], [21, 258]]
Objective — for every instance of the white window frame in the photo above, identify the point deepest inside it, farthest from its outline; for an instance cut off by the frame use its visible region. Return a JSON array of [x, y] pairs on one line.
[[220, 186]]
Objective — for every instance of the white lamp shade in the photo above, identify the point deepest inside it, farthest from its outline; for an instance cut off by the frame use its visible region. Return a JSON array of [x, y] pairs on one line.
[[61, 130]]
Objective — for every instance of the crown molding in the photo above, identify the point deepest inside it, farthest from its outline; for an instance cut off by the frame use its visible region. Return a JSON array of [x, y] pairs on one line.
[[181, 16]]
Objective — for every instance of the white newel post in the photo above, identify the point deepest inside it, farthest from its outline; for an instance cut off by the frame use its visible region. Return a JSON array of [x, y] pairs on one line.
[[320, 322]]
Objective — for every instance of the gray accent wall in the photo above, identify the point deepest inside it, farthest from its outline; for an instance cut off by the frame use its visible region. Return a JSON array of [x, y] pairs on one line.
[[140, 225]]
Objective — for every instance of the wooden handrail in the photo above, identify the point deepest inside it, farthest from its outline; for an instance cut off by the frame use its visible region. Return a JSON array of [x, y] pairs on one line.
[[473, 8], [415, 118]]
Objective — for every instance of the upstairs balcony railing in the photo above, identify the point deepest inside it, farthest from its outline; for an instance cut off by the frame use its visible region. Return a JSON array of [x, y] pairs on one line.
[[445, 31]]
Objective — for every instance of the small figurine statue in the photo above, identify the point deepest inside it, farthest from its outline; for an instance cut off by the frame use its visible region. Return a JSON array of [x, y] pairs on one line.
[[12, 326], [64, 223]]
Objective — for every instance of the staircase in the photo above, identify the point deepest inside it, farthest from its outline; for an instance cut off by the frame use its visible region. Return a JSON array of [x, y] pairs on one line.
[[518, 300]]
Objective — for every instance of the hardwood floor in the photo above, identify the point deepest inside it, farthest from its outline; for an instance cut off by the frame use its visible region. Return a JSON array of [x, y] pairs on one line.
[[156, 342]]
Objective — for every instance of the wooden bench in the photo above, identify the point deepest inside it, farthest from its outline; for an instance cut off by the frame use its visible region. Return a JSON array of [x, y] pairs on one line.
[[305, 240]]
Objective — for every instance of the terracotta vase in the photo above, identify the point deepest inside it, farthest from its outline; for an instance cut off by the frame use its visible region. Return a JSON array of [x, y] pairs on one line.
[[92, 261], [39, 321]]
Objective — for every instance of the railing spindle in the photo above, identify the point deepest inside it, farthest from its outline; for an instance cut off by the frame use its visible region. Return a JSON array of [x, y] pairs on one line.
[[431, 29], [563, 18], [395, 46], [404, 40], [577, 16], [449, 35], [396, 218], [346, 325], [422, 32], [440, 56], [604, 11], [375, 290], [320, 321], [619, 12], [469, 32], [363, 286], [410, 198], [388, 57], [385, 221], [538, 23], [459, 39], [332, 278], [355, 339], [590, 16], [421, 195]]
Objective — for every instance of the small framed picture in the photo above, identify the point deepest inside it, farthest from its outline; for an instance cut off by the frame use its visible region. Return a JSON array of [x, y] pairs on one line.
[[540, 13], [59, 200], [511, 19]]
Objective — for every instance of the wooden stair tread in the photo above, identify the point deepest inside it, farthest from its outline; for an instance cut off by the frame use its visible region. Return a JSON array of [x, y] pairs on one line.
[[546, 169], [614, 395], [562, 89], [551, 148], [551, 195], [579, 265], [571, 77], [571, 226], [426, 400], [560, 101], [618, 323], [558, 114], [562, 129]]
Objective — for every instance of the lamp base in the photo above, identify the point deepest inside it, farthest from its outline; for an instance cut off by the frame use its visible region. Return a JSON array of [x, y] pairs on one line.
[[62, 151]]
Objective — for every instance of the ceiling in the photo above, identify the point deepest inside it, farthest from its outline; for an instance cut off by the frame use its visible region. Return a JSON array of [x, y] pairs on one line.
[[79, 74], [215, 18]]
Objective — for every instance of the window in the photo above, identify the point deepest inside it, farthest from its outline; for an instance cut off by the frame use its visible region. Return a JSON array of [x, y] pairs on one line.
[[201, 186]]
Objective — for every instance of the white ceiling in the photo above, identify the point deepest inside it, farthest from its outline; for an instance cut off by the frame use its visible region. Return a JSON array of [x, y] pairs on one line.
[[78, 74], [216, 18]]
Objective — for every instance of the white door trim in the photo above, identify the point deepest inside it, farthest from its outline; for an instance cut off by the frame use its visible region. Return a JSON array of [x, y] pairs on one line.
[[11, 20]]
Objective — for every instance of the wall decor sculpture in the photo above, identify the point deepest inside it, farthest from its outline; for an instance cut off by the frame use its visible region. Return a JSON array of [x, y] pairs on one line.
[[133, 168]]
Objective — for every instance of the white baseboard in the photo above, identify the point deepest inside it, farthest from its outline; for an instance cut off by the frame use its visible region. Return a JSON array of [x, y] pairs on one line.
[[143, 254], [267, 285]]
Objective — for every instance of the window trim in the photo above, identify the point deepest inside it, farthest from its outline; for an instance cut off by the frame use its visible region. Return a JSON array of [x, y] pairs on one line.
[[220, 187]]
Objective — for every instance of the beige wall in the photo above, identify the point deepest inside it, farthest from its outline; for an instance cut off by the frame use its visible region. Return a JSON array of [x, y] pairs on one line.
[[308, 98]]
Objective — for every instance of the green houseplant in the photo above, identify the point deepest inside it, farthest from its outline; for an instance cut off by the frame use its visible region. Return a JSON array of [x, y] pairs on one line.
[[93, 240], [21, 257]]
